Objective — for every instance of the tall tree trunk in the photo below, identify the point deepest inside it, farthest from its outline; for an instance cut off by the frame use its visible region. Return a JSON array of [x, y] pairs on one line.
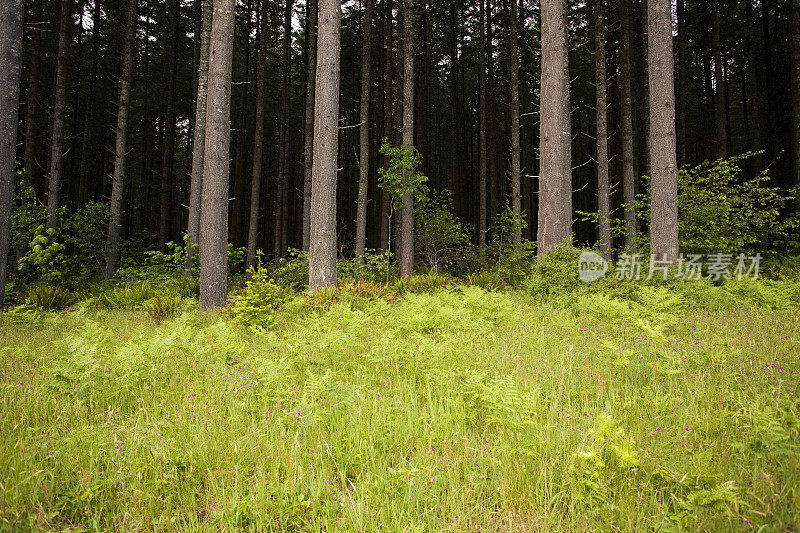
[[515, 149], [491, 125], [483, 163], [769, 82], [238, 192], [719, 82], [198, 147], [457, 172], [322, 251], [364, 145], [626, 126], [11, 15], [753, 123], [216, 168], [283, 146], [311, 86], [680, 100], [794, 37], [258, 144], [31, 111], [407, 220], [386, 202], [168, 126], [115, 222], [88, 112], [555, 176], [59, 110], [664, 206], [601, 102]]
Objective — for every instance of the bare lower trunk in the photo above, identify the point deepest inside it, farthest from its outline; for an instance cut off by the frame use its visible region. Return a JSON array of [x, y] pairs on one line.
[[386, 203], [311, 85], [322, 251], [483, 163], [664, 207], [719, 82], [603, 185], [364, 147], [754, 109], [168, 154], [283, 143], [680, 100], [515, 149], [88, 112], [407, 220], [626, 126], [794, 24], [258, 144], [198, 148], [216, 168], [11, 15], [59, 109], [115, 222], [555, 176]]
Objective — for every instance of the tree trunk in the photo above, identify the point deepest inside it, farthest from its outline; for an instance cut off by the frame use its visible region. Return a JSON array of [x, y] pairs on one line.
[[115, 222], [364, 146], [719, 82], [283, 143], [626, 126], [753, 125], [311, 86], [664, 206], [555, 176], [794, 37], [407, 220], [239, 188], [198, 147], [680, 96], [386, 202], [601, 102], [32, 104], [491, 125], [59, 110], [322, 250], [168, 126], [483, 163], [515, 149], [457, 177], [11, 15], [88, 112], [258, 144], [216, 168]]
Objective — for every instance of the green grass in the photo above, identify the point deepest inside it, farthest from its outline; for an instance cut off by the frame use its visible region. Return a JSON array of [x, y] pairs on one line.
[[458, 410]]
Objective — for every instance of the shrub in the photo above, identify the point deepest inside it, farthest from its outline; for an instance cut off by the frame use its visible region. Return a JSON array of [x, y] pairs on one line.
[[557, 270], [366, 290], [419, 283], [49, 298], [290, 272], [259, 301], [489, 280], [324, 296], [441, 238], [162, 308]]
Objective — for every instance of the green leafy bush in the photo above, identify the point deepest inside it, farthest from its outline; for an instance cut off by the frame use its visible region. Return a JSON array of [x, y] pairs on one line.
[[442, 240], [420, 283], [259, 301], [556, 271], [488, 280], [49, 298], [162, 308]]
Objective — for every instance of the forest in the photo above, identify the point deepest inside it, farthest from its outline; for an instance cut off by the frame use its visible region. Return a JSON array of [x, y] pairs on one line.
[[348, 265]]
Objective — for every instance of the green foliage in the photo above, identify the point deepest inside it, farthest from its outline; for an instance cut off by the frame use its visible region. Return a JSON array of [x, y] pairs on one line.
[[85, 236], [402, 175], [25, 218], [291, 272], [488, 280], [371, 266], [49, 298], [162, 308], [45, 254], [722, 211], [442, 240], [259, 301], [503, 247], [556, 271], [422, 283]]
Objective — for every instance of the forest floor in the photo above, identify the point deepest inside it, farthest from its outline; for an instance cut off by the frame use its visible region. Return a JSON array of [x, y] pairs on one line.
[[456, 410]]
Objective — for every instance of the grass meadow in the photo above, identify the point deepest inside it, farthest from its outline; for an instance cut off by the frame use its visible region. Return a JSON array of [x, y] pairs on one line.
[[460, 409]]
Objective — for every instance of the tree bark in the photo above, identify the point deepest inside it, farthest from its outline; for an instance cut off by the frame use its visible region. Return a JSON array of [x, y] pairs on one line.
[[32, 104], [601, 103], [515, 149], [386, 202], [555, 180], [407, 220], [364, 145], [258, 144], [794, 36], [483, 162], [719, 82], [198, 147], [664, 206], [680, 96], [115, 222], [168, 126], [753, 124], [283, 143], [59, 110], [11, 16], [322, 250], [88, 112], [239, 186], [216, 168], [311, 86], [626, 126]]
